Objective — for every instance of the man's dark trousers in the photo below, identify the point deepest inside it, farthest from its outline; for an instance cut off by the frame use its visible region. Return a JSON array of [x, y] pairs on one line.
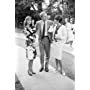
[[44, 46]]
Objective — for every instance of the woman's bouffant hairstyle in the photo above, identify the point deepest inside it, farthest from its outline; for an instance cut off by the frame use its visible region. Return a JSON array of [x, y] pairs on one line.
[[58, 18], [26, 19]]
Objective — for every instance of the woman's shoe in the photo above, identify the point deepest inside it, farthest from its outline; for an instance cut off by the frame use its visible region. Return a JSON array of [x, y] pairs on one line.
[[29, 73], [56, 70], [62, 72], [33, 72]]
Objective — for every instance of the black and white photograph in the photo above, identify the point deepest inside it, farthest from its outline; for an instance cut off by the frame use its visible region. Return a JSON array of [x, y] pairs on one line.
[[45, 40]]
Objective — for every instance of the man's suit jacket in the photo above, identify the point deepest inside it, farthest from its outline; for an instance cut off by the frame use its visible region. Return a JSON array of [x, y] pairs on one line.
[[39, 28]]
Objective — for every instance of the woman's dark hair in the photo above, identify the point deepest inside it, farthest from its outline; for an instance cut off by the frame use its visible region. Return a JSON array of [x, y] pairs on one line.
[[25, 24], [58, 18]]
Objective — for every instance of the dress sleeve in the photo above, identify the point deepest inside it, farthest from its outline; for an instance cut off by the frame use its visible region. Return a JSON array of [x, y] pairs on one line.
[[62, 33]]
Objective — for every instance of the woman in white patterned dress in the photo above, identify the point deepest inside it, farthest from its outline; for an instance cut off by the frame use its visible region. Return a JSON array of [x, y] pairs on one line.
[[30, 48]]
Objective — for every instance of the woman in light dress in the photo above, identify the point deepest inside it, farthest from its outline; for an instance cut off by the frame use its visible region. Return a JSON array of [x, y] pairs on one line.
[[59, 39]]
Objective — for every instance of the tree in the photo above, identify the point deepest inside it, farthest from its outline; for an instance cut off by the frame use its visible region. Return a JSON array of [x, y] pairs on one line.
[[27, 7], [67, 9], [22, 9]]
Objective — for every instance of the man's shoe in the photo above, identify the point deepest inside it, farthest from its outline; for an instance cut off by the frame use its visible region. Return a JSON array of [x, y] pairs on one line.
[[33, 73], [46, 69], [41, 69]]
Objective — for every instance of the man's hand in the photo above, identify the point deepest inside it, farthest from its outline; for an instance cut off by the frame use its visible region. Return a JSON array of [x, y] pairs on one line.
[[36, 44]]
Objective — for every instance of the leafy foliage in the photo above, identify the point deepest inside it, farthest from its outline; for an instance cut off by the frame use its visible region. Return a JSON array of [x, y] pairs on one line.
[[22, 9]]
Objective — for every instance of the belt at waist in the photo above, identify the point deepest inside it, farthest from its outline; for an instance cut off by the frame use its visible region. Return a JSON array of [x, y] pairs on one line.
[[44, 37]]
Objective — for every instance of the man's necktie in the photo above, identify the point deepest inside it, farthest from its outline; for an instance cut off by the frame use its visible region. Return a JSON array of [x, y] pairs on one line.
[[43, 34]]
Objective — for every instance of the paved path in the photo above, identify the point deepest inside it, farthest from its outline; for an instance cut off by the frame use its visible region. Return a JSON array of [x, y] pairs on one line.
[[68, 56], [42, 80]]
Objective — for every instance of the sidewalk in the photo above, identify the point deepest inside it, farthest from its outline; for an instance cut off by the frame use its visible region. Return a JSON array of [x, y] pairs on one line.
[[42, 80]]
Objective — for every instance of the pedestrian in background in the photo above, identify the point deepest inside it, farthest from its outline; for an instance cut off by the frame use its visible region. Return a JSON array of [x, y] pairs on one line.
[[70, 32]]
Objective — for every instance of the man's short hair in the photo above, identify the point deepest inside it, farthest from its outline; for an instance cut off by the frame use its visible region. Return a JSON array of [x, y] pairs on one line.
[[43, 13]]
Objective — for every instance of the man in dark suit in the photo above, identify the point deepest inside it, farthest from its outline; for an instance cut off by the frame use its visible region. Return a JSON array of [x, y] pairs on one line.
[[42, 28]]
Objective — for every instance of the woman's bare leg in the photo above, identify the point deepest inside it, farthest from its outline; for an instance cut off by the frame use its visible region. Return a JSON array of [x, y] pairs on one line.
[[60, 64], [56, 60], [30, 67]]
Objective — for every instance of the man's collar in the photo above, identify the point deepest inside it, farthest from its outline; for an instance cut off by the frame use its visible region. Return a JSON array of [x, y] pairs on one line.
[[44, 21]]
